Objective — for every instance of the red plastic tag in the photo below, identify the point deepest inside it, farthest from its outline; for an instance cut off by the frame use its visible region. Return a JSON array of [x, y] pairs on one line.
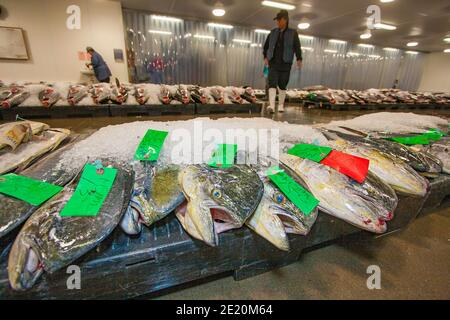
[[352, 166]]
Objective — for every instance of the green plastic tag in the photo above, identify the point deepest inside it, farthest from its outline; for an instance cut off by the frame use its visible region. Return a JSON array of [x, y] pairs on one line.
[[223, 156], [310, 151], [434, 134], [410, 140], [150, 146], [91, 192], [29, 190], [304, 200]]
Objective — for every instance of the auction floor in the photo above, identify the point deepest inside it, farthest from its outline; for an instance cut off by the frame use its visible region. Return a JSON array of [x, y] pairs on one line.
[[414, 263]]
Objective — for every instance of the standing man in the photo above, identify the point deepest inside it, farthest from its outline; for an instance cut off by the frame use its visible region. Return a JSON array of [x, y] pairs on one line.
[[101, 70], [279, 49]]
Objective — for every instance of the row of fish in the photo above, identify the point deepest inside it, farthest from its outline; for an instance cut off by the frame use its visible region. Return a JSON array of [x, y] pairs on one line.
[[118, 93], [208, 201], [369, 96]]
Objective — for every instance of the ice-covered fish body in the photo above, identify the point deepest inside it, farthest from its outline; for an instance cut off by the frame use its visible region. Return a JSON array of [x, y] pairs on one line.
[[101, 93], [118, 95], [394, 172], [13, 212], [48, 242], [337, 194], [164, 95], [218, 199], [156, 194], [141, 95], [49, 96], [218, 95], [182, 95], [14, 133], [249, 95], [198, 95], [235, 97], [76, 94], [15, 98], [26, 153]]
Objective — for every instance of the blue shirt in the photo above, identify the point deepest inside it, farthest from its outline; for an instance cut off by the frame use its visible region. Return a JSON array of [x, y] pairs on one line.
[[100, 67]]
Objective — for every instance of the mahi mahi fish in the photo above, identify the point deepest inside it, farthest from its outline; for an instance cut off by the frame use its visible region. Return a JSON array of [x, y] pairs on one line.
[[393, 171], [276, 215], [439, 149], [27, 152], [14, 133], [48, 242], [219, 199], [13, 212], [156, 194], [363, 205]]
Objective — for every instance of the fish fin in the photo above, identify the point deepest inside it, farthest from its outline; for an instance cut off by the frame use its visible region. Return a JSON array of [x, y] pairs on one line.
[[360, 133]]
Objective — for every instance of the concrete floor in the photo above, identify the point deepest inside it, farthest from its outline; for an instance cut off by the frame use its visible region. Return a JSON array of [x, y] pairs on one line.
[[415, 263]]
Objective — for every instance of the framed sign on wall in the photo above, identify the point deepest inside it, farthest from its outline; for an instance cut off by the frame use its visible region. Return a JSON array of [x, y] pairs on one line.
[[12, 44]]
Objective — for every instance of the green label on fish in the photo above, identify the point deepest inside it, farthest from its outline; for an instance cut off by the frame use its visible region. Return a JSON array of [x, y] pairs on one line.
[[223, 156], [150, 146], [424, 138], [310, 151], [304, 200], [92, 190], [29, 190]]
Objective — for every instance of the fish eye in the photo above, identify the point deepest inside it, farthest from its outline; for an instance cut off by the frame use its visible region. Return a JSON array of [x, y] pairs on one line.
[[217, 193], [279, 198]]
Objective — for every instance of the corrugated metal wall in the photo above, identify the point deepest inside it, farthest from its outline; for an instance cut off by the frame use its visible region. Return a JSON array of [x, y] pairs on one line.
[[222, 61]]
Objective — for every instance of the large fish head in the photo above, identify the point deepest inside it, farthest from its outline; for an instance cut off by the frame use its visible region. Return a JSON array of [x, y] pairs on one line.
[[24, 266], [219, 199]]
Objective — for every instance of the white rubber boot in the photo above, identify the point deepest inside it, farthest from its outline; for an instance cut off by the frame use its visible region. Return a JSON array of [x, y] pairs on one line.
[[281, 98], [272, 96]]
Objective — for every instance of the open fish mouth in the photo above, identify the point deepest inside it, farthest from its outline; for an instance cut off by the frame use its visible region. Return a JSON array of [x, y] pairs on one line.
[[291, 224], [24, 274]]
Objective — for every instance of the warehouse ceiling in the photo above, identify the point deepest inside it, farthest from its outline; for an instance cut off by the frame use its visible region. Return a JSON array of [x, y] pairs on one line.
[[426, 22]]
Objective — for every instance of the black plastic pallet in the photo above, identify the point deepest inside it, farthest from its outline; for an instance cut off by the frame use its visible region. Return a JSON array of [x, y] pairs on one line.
[[55, 112], [203, 109], [164, 256], [151, 110]]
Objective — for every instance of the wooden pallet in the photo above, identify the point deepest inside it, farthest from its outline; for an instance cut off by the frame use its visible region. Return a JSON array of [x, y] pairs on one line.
[[151, 110], [203, 109], [164, 256], [55, 112]]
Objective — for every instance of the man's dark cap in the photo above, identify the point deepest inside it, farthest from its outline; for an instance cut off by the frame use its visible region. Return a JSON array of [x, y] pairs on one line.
[[282, 14]]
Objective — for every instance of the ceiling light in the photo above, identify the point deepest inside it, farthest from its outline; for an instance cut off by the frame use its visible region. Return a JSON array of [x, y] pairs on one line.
[[307, 5], [386, 1], [254, 45], [337, 41], [307, 49], [330, 51], [164, 18], [375, 56], [366, 35], [278, 5], [447, 39], [241, 41], [447, 50], [201, 36], [160, 32], [365, 45], [352, 53], [262, 31], [187, 35], [218, 12], [303, 25], [384, 26], [219, 25], [305, 37], [412, 52], [390, 49], [412, 44]]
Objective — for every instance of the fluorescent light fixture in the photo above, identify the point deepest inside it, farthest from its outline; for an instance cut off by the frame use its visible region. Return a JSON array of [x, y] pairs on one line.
[[390, 49], [201, 36], [363, 45], [447, 39], [375, 56], [303, 25], [352, 53], [300, 36], [241, 41], [337, 41], [386, 1], [307, 49], [447, 50], [219, 25], [278, 5], [412, 52], [188, 35], [412, 44], [366, 35], [330, 51], [160, 32], [253, 45], [307, 5], [164, 18], [262, 31], [384, 26], [218, 12]]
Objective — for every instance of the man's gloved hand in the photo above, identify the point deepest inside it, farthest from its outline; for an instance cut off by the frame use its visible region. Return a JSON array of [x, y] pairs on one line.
[[299, 64]]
